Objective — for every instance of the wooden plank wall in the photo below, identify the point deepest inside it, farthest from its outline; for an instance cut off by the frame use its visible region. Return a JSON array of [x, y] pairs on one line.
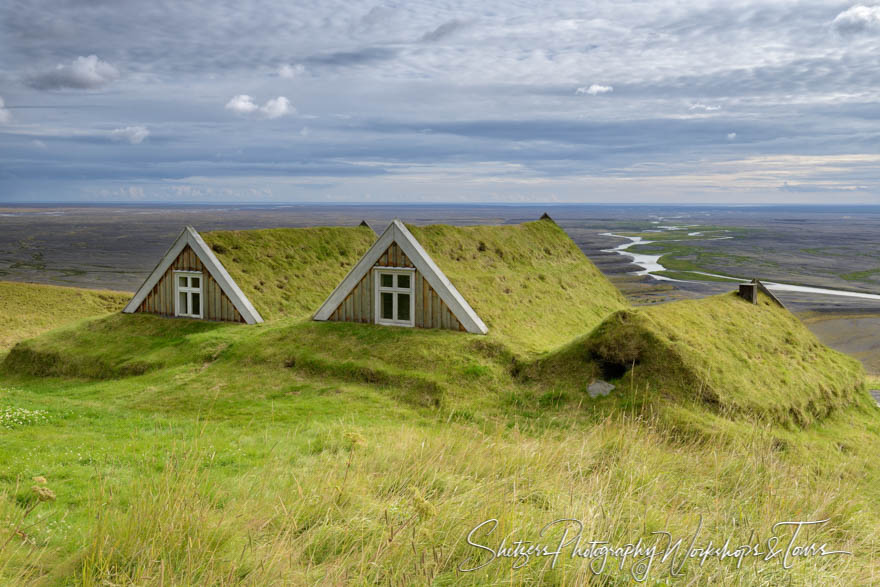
[[216, 305], [430, 310]]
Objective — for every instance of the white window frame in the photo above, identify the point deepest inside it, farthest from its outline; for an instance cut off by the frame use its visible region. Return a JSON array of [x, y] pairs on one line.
[[378, 289], [187, 312]]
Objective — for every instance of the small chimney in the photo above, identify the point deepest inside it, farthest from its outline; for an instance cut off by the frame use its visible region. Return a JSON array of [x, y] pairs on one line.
[[749, 292]]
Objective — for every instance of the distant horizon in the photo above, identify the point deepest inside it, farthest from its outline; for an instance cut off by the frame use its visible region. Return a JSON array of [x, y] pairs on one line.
[[160, 203]]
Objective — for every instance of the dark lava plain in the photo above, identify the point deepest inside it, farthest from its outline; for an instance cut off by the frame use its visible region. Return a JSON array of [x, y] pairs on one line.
[[115, 247]]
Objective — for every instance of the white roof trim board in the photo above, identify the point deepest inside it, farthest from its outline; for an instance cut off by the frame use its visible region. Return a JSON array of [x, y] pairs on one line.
[[189, 236], [398, 233]]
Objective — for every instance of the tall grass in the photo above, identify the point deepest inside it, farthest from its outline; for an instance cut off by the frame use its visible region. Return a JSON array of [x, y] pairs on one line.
[[395, 508]]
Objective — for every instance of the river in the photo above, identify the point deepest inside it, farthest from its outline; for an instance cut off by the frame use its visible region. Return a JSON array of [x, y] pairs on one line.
[[650, 264]]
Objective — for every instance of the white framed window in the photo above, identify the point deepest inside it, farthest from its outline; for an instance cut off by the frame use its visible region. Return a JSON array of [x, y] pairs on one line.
[[394, 293], [188, 294]]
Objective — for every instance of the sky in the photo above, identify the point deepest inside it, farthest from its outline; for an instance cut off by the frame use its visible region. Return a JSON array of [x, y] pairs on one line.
[[662, 101]]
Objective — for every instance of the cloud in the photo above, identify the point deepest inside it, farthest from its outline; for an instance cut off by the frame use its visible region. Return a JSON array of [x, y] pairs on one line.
[[84, 73], [38, 144], [364, 56], [826, 187], [731, 136], [274, 108], [290, 71], [595, 90], [133, 134], [858, 19], [442, 31], [5, 114], [703, 107], [241, 104]]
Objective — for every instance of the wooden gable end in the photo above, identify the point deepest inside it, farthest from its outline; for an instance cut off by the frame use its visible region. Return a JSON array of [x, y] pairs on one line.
[[430, 311], [216, 304]]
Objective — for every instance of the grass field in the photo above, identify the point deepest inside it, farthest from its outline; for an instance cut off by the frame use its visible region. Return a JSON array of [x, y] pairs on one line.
[[294, 452], [29, 309]]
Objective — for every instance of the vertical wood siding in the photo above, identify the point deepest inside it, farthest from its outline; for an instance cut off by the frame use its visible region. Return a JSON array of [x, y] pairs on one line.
[[430, 311], [216, 305]]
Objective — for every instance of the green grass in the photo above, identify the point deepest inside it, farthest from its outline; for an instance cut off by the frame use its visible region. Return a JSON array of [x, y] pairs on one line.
[[345, 484], [288, 272], [530, 283], [28, 309], [721, 353], [296, 452]]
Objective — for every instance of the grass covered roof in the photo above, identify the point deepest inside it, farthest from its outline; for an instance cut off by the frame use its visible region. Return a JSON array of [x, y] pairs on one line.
[[288, 272], [530, 283], [729, 355]]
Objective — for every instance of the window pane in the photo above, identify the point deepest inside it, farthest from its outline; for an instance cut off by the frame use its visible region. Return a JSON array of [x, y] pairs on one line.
[[194, 282], [181, 303], [195, 303], [403, 307], [387, 280], [181, 281], [387, 306], [403, 281]]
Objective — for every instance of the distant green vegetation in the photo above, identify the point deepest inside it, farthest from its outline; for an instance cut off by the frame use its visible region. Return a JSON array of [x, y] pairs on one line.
[[297, 452], [28, 309], [693, 232], [683, 257], [860, 275], [694, 276]]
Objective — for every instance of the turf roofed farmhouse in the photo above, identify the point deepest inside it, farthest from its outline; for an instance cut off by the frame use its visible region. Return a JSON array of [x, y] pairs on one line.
[[553, 323], [438, 276], [217, 275], [397, 283]]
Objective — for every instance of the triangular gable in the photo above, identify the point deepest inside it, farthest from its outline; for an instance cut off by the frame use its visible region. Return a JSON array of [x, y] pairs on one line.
[[190, 237], [364, 223], [398, 233]]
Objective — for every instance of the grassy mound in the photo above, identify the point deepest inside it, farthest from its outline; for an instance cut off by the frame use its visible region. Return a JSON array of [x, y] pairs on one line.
[[733, 357], [27, 309], [289, 271], [120, 345], [530, 283]]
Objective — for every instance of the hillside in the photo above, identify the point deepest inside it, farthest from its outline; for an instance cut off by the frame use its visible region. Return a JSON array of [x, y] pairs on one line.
[[287, 272], [730, 356], [27, 309], [300, 452]]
